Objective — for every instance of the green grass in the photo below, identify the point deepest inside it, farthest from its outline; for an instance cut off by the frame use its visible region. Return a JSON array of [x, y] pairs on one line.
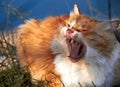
[[17, 77], [11, 74]]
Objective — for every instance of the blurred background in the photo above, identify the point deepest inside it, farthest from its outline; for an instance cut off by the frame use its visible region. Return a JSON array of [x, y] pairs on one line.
[[14, 12]]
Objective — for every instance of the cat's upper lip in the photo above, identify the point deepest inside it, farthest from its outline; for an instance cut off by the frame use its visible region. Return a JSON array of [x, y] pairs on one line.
[[77, 49]]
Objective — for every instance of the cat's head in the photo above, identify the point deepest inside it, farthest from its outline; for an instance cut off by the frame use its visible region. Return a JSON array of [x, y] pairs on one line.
[[85, 38]]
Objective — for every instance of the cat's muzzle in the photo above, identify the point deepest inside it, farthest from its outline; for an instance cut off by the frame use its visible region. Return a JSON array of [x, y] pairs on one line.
[[77, 48]]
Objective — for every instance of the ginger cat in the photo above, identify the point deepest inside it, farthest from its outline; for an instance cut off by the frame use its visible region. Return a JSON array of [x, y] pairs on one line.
[[71, 49]]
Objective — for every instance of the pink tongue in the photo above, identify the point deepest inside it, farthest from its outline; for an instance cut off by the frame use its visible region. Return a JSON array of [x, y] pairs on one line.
[[75, 50]]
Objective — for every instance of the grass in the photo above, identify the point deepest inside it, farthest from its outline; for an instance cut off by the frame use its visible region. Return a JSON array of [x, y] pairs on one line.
[[15, 77], [11, 75]]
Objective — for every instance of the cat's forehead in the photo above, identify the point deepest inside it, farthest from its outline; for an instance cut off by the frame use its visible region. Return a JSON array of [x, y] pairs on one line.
[[73, 20], [81, 22]]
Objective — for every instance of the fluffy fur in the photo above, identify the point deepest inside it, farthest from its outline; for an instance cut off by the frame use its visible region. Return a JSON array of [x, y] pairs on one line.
[[33, 47], [42, 48]]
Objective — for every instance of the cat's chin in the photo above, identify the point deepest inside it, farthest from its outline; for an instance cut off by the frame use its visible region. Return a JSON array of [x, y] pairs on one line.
[[77, 50]]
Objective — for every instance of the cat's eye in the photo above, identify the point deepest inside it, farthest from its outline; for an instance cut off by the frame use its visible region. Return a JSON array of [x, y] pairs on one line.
[[68, 25], [79, 30]]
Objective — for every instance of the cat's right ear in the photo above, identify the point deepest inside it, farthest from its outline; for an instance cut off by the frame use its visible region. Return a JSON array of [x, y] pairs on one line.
[[75, 11]]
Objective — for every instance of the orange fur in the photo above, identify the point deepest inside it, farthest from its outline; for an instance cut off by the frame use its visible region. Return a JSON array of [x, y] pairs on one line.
[[33, 47]]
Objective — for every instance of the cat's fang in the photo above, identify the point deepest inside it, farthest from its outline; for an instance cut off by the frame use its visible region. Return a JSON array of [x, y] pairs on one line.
[[72, 41]]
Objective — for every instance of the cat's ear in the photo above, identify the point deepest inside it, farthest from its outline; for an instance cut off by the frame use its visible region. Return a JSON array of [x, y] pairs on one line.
[[75, 11]]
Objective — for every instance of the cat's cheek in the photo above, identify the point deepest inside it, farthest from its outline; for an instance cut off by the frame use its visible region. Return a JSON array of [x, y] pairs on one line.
[[63, 31]]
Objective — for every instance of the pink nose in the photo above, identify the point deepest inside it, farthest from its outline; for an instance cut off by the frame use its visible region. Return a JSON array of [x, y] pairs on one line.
[[69, 32]]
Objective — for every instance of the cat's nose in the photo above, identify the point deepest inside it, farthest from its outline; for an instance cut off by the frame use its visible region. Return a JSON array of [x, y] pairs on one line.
[[70, 33]]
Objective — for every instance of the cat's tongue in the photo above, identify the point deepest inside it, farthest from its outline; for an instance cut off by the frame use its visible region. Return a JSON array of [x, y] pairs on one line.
[[76, 50]]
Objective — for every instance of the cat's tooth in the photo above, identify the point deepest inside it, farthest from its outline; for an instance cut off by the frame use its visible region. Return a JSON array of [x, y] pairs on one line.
[[72, 41]]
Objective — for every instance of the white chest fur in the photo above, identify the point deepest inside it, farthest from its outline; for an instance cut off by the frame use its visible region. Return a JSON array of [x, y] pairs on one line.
[[71, 73]]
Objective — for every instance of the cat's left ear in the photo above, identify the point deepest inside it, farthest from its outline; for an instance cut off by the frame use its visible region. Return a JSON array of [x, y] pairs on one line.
[[75, 11]]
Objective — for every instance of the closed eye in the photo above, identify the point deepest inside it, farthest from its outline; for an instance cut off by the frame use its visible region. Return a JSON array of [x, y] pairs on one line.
[[76, 29], [79, 30], [68, 24]]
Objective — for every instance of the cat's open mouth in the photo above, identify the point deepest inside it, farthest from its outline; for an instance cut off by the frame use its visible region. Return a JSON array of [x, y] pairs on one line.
[[76, 49]]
